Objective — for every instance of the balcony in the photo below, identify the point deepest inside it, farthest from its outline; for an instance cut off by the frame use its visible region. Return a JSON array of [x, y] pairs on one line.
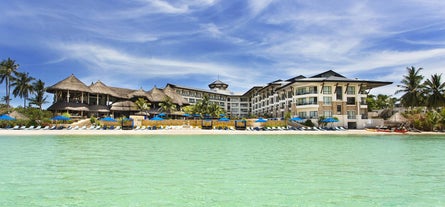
[[352, 117]]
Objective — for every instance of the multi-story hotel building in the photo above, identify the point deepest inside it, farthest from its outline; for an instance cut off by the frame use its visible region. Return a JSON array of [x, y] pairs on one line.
[[327, 94]]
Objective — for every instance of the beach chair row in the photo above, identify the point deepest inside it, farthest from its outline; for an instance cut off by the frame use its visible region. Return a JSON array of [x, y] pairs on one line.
[[295, 128]]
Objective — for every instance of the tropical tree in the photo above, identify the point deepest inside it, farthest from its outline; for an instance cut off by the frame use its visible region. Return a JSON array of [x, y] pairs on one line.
[[39, 98], [411, 87], [143, 105], [434, 90], [8, 69], [23, 86], [215, 110], [202, 106], [167, 105]]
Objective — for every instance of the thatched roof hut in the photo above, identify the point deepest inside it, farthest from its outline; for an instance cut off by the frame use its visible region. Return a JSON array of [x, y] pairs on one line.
[[71, 83], [101, 88], [140, 94], [176, 98], [64, 106], [157, 95], [124, 106]]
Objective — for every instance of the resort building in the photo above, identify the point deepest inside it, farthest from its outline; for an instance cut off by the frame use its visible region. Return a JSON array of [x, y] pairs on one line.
[[73, 96], [327, 94]]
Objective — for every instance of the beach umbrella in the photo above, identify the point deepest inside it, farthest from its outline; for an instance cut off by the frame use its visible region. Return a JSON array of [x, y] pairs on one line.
[[5, 117], [108, 119], [329, 120], [261, 120], [297, 119], [161, 114], [156, 118], [186, 115], [60, 118], [222, 115], [224, 119]]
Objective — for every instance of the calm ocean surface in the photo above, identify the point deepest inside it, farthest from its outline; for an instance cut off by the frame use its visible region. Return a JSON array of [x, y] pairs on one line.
[[222, 170]]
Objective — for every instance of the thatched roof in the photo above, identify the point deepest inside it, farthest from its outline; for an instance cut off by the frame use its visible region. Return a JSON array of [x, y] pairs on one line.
[[61, 106], [99, 108], [101, 88], [140, 94], [71, 83], [122, 92], [157, 95], [176, 98], [124, 106], [18, 115]]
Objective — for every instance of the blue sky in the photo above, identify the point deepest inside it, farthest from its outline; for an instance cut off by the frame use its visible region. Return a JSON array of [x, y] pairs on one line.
[[143, 43]]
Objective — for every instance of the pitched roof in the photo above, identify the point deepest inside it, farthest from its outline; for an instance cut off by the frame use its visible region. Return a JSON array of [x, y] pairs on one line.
[[140, 93], [71, 83], [157, 95], [176, 98], [124, 106], [101, 88]]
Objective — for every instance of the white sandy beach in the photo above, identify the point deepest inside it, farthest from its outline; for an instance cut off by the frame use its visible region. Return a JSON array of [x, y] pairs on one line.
[[186, 131]]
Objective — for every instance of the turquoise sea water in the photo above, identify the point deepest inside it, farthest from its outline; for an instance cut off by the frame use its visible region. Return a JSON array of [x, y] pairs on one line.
[[222, 170]]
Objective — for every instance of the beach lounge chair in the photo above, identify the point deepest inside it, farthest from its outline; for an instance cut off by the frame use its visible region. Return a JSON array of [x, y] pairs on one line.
[[76, 128], [83, 128], [46, 128], [38, 127], [143, 127], [98, 127], [30, 127], [16, 127], [137, 128], [117, 128]]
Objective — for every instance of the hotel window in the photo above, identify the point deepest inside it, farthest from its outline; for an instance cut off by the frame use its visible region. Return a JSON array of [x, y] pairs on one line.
[[327, 90], [338, 109], [350, 90], [312, 100], [302, 114], [313, 114], [301, 91], [351, 114], [327, 100], [313, 90], [301, 101], [350, 100], [192, 100], [327, 113]]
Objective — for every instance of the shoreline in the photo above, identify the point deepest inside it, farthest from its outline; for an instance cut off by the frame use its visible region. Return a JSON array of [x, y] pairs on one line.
[[9, 132]]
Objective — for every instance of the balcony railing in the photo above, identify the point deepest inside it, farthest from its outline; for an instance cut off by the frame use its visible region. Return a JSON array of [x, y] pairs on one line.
[[352, 117]]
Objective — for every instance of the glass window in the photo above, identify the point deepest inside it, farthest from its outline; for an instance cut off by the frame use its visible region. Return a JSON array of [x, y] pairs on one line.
[[350, 90], [301, 91], [351, 114], [327, 100], [327, 113], [313, 114], [312, 100], [302, 114], [327, 90], [350, 100]]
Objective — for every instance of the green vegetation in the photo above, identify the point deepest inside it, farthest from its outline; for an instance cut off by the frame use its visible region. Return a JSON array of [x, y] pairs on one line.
[[205, 107]]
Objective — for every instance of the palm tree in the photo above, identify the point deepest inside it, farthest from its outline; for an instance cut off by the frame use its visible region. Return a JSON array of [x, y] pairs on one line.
[[411, 87], [143, 105], [39, 99], [23, 86], [167, 105], [434, 90], [8, 69]]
